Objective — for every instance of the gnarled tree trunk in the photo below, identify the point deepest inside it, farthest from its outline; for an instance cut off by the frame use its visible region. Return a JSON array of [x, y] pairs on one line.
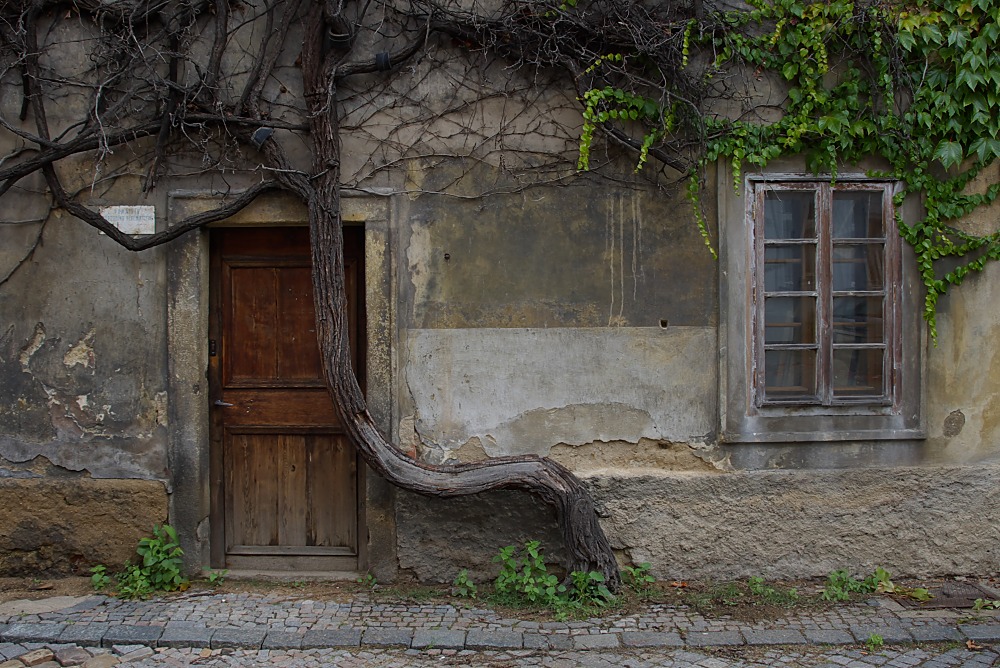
[[551, 482]]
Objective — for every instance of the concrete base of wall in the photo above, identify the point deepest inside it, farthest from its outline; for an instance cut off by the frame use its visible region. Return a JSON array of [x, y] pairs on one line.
[[778, 524], [62, 526]]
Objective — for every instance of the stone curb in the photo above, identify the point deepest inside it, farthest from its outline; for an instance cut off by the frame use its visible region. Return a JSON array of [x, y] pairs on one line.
[[106, 636]]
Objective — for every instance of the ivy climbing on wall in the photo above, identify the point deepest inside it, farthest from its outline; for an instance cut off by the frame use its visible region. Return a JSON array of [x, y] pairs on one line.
[[917, 84]]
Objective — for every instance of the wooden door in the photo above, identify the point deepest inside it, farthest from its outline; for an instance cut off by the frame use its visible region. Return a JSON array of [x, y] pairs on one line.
[[286, 479]]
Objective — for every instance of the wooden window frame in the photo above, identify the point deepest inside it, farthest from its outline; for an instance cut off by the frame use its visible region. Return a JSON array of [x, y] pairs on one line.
[[897, 415], [823, 292]]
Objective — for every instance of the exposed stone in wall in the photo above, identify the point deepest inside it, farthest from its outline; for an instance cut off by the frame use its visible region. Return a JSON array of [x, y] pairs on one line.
[[646, 454], [66, 525], [439, 537]]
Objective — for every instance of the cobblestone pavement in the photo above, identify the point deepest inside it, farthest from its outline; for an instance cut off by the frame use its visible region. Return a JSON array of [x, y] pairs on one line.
[[937, 655], [252, 629]]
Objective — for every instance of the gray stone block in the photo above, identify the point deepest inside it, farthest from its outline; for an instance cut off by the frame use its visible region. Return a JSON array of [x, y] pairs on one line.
[[489, 639], [596, 641], [713, 638], [131, 635], [983, 632], [186, 636], [557, 641], [652, 639], [320, 639], [84, 635], [43, 632], [238, 638], [9, 650], [890, 634], [282, 640], [828, 637], [935, 633], [387, 637], [774, 637], [438, 638]]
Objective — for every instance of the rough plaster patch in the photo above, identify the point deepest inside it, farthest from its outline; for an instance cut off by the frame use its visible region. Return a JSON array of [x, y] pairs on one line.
[[912, 521], [525, 390], [81, 353], [953, 423]]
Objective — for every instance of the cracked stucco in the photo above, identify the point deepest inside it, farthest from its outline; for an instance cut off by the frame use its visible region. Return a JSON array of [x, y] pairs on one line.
[[108, 427], [82, 368], [523, 391]]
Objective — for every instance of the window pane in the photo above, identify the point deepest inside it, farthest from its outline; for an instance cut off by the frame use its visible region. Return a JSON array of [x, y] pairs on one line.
[[857, 215], [858, 267], [857, 372], [790, 320], [857, 320], [789, 374], [790, 268], [789, 214]]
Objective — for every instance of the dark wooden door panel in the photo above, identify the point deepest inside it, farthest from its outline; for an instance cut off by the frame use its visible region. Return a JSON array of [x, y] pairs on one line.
[[290, 478]]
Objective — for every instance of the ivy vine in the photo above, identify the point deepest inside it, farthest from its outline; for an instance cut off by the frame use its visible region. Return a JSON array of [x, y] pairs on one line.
[[916, 84]]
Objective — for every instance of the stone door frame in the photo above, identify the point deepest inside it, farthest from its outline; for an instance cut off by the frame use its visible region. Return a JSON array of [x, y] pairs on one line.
[[187, 362]]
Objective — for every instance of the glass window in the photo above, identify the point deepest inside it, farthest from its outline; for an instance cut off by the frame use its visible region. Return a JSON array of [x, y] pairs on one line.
[[821, 305]]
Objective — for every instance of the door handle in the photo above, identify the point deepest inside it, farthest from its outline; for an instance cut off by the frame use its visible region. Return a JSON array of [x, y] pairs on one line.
[[223, 404]]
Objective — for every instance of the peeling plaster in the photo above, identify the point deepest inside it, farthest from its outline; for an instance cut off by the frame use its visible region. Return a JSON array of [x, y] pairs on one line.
[[78, 430], [82, 352], [530, 432], [521, 391], [36, 342], [645, 454]]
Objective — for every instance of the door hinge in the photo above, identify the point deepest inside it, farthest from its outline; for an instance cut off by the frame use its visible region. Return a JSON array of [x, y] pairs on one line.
[[213, 349]]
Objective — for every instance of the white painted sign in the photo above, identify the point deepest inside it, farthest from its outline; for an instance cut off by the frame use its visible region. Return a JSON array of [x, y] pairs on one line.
[[131, 219]]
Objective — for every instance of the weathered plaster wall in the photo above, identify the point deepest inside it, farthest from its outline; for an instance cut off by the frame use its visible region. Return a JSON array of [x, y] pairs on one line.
[[963, 375], [562, 317], [82, 357]]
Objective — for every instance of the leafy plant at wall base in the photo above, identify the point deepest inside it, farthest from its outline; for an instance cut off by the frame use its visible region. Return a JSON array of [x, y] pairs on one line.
[[368, 581], [463, 586], [637, 578], [133, 583], [99, 578], [216, 578], [985, 604], [589, 589], [161, 559], [886, 586], [840, 585], [527, 579], [770, 594]]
